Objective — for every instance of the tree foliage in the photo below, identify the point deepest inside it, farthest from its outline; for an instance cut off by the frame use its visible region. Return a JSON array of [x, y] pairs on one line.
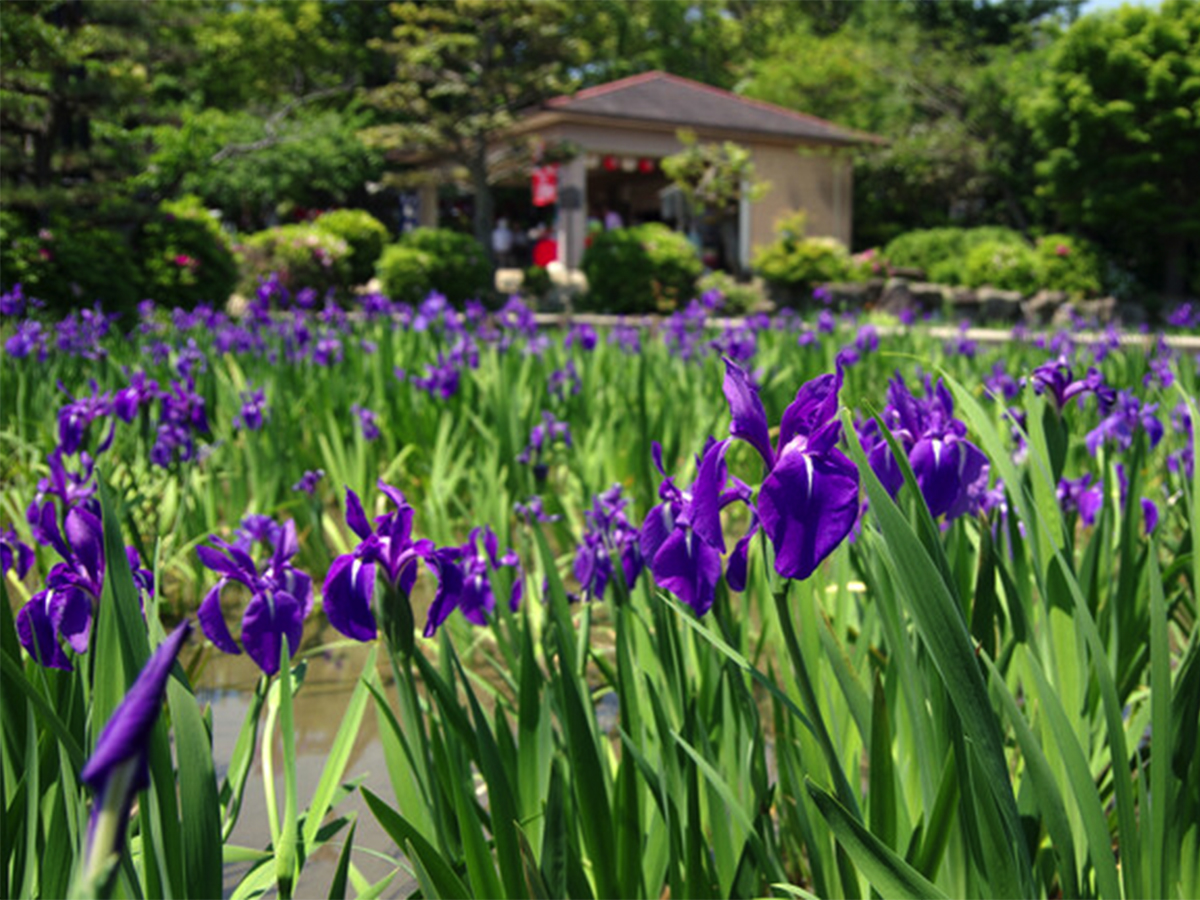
[[1117, 120], [463, 70]]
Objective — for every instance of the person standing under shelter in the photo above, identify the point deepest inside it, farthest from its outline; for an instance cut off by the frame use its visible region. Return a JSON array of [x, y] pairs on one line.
[[502, 244]]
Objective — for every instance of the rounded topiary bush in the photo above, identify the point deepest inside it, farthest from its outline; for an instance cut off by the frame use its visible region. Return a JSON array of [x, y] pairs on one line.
[[1008, 266], [646, 268], [792, 264], [942, 252], [301, 256], [737, 298], [1070, 264], [458, 264], [404, 273], [363, 233], [186, 258]]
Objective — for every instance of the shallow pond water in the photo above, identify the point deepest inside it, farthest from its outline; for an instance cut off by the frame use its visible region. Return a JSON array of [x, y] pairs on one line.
[[227, 683]]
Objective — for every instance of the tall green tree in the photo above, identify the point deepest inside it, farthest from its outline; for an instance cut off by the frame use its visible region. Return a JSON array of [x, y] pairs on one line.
[[1117, 120], [463, 71], [940, 81], [81, 84]]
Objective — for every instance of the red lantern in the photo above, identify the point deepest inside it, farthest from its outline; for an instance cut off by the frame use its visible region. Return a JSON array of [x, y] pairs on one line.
[[645, 166], [611, 163]]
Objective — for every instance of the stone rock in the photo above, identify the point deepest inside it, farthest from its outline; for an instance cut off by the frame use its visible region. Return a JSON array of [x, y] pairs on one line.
[[964, 302], [1131, 314], [896, 297], [1102, 310], [998, 305], [900, 295], [1041, 307], [909, 273], [928, 297]]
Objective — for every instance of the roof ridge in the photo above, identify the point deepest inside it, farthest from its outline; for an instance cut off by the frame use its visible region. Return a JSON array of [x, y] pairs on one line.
[[765, 105], [601, 90]]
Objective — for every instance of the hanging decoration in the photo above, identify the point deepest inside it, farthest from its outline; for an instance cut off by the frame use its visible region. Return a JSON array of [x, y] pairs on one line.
[[545, 185]]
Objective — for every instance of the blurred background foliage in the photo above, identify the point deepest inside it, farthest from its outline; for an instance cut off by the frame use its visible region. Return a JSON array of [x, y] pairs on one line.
[[1026, 114]]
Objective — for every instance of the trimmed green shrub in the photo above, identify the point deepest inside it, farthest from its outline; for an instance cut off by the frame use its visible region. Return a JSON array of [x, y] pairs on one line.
[[404, 273], [942, 252], [186, 257], [799, 263], [737, 298], [302, 256], [1070, 264], [365, 235], [458, 264], [1004, 265], [646, 268], [536, 282], [69, 266]]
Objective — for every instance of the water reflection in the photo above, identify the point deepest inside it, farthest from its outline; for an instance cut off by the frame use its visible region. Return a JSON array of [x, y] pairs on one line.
[[227, 683]]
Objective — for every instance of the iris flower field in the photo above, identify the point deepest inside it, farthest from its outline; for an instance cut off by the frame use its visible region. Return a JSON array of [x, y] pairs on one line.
[[880, 613]]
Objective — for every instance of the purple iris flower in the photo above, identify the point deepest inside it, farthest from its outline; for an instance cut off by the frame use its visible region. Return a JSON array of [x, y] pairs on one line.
[[738, 343], [75, 418], [564, 382], [1081, 496], [627, 337], [182, 419], [867, 338], [141, 391], [250, 416], [1182, 460], [681, 538], [533, 511], [608, 531], [73, 488], [308, 481], [12, 303], [28, 340], [541, 437], [1127, 417], [368, 422], [118, 768], [1000, 383], [15, 554], [441, 379], [826, 323], [961, 345], [476, 600], [64, 609], [389, 548], [808, 500], [951, 472], [1054, 378], [582, 334], [280, 598]]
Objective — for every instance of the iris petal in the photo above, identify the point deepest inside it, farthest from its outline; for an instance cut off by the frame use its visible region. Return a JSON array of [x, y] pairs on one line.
[[808, 505], [688, 568], [269, 616], [348, 589], [749, 417]]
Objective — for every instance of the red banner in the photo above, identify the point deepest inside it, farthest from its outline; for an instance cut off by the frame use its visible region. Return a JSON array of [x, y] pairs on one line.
[[545, 185]]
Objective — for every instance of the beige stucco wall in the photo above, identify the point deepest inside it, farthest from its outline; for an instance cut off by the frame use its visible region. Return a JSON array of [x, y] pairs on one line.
[[817, 181]]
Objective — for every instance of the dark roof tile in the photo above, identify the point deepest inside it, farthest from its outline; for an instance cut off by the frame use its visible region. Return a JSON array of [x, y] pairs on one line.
[[670, 100]]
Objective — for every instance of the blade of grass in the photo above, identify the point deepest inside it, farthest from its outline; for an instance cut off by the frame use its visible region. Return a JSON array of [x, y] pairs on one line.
[[887, 872]]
